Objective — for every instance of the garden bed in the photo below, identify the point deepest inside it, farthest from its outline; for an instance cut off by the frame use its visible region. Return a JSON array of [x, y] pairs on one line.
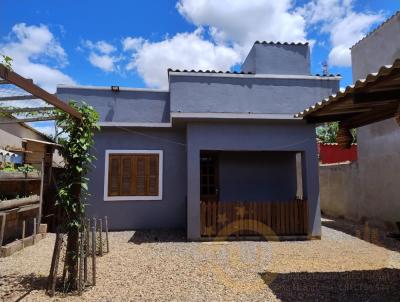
[[18, 202]]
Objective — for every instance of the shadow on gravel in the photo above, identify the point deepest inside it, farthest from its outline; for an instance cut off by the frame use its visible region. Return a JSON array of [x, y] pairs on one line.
[[371, 285], [163, 235], [370, 234], [16, 287]]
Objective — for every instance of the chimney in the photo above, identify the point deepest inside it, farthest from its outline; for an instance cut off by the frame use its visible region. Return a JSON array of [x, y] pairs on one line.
[[278, 58]]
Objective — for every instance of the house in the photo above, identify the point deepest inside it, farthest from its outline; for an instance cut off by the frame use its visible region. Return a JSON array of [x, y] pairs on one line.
[[367, 190], [215, 153]]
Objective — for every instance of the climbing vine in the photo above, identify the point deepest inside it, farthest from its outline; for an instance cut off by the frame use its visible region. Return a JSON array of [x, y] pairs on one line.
[[76, 142], [6, 61]]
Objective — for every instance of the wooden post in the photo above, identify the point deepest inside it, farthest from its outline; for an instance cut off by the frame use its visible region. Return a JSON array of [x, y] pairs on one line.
[[100, 237], [85, 266], [41, 194], [34, 227], [51, 282], [94, 251], [34, 230], [80, 277], [3, 226], [106, 226], [23, 233]]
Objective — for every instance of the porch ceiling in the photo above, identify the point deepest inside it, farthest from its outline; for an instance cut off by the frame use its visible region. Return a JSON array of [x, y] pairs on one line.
[[375, 98]]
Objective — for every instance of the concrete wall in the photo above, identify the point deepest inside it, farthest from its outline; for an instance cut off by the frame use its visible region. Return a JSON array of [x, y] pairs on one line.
[[272, 58], [339, 190], [379, 143], [257, 176], [170, 212], [294, 136], [126, 105], [246, 94], [380, 48]]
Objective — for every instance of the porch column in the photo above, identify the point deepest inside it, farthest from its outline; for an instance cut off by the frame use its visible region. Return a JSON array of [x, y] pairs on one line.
[[311, 190], [193, 193]]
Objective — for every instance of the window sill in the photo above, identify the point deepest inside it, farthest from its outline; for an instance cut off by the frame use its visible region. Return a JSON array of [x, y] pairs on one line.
[[131, 198]]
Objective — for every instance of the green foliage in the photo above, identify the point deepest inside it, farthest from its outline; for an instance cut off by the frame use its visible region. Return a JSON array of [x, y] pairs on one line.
[[327, 133], [73, 189], [6, 61], [26, 169], [9, 167]]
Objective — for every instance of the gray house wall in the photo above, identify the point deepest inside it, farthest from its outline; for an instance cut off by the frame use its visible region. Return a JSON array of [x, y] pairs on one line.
[[379, 143], [257, 176], [126, 105], [170, 212], [247, 94], [183, 137], [270, 136], [372, 185], [274, 58]]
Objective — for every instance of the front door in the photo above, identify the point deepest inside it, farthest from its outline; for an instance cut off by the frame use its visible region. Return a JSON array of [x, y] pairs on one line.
[[209, 176]]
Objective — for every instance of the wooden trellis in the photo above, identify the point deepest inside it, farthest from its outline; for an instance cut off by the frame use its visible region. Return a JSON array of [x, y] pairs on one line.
[[18, 88]]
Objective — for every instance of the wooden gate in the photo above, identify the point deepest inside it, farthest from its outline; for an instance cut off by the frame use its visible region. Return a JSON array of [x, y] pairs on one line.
[[266, 219]]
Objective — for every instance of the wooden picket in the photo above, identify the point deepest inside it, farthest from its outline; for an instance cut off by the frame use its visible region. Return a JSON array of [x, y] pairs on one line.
[[280, 218]]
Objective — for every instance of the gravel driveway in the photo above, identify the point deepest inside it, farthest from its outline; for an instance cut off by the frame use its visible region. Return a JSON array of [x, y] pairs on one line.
[[160, 266]]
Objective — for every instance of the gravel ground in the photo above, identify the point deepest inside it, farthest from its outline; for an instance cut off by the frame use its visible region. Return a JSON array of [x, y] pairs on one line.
[[160, 266]]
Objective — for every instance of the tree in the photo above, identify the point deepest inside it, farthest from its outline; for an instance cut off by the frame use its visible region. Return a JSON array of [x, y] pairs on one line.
[[327, 133], [73, 187]]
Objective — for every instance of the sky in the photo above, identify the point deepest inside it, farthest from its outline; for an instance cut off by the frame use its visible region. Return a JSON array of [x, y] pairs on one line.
[[133, 43]]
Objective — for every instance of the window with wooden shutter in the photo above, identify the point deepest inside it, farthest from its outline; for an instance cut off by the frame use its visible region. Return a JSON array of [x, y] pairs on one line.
[[133, 174]]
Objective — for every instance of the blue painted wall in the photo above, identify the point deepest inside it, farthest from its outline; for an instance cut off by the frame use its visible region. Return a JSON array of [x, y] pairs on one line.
[[170, 212], [257, 176], [273, 58], [246, 94], [182, 143], [296, 136], [123, 106]]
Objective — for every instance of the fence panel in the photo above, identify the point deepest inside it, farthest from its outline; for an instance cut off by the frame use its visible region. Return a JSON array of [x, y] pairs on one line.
[[280, 218]]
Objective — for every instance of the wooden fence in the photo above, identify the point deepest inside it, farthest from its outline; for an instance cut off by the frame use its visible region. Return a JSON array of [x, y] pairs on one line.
[[267, 219]]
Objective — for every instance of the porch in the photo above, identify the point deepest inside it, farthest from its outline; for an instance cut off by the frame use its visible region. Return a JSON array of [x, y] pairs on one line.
[[252, 195]]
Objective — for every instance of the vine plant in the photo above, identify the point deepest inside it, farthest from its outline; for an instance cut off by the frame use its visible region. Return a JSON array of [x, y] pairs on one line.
[[73, 187]]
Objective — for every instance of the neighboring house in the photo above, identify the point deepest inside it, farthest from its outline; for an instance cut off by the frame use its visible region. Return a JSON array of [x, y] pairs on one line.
[[12, 137], [374, 179], [169, 158]]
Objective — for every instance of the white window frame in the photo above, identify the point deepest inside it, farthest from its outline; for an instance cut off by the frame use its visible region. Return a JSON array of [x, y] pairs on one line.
[[127, 198]]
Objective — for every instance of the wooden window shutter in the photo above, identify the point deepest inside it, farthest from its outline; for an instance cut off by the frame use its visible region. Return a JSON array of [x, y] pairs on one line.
[[114, 175], [133, 175], [126, 175], [153, 174], [141, 175]]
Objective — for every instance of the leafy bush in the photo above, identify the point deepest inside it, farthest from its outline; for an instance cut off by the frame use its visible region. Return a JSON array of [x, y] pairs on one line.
[[327, 133]]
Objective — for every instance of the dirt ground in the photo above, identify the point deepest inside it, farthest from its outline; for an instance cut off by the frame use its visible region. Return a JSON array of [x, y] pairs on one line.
[[349, 263]]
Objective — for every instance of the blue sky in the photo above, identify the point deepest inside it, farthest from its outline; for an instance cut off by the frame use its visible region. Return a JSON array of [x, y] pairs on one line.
[[132, 43]]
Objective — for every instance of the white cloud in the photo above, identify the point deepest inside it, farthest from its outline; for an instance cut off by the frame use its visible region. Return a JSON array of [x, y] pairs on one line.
[[183, 51], [37, 54], [240, 23], [100, 55], [233, 26], [344, 26], [101, 46], [104, 62], [132, 44]]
